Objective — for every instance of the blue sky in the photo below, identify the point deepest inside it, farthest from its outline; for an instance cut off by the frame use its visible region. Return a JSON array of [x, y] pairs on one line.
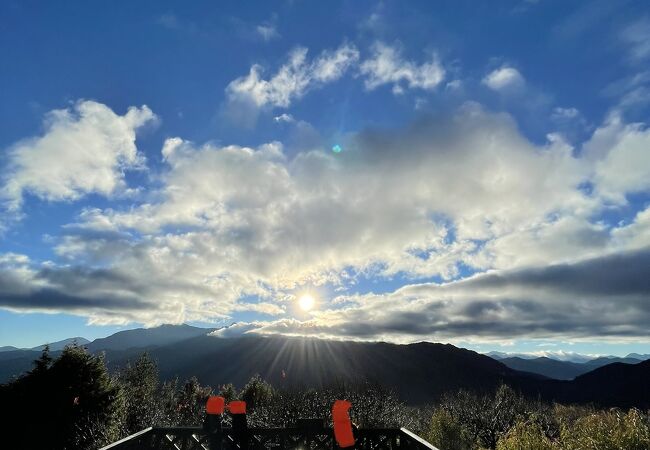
[[172, 163]]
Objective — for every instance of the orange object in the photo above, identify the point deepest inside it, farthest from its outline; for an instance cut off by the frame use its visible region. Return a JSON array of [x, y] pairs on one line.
[[342, 423], [237, 407], [215, 405]]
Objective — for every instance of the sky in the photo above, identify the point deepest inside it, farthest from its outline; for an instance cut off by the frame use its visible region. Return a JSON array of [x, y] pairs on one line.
[[475, 173]]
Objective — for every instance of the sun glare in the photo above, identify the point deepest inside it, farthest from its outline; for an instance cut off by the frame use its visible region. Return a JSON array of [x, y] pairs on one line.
[[306, 302]]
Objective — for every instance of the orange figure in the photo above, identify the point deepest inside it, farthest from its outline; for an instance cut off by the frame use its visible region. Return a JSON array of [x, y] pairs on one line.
[[342, 423], [215, 405], [237, 407]]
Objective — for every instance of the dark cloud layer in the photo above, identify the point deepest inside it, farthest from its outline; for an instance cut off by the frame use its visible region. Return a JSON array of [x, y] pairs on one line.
[[70, 289], [603, 297]]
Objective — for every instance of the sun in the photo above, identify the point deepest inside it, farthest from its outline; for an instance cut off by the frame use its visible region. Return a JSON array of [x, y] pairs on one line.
[[306, 302]]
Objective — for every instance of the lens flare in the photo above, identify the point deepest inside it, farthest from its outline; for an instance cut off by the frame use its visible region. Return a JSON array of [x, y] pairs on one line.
[[337, 148]]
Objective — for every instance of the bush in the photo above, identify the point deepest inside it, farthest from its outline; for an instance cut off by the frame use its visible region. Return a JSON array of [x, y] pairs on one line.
[[607, 430], [257, 392], [486, 418], [525, 435], [447, 433]]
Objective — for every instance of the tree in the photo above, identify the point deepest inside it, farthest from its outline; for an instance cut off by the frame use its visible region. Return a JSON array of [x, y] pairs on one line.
[[66, 403], [228, 392], [191, 402], [168, 403], [257, 392], [139, 382]]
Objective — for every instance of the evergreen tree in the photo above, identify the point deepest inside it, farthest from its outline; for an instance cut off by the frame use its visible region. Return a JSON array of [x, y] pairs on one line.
[[139, 382], [70, 402], [191, 402], [257, 392]]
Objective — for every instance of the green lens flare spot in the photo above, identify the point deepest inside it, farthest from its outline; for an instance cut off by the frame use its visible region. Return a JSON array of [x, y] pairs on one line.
[[337, 148]]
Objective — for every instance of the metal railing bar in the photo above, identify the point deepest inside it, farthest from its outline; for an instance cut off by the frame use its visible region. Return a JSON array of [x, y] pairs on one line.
[[418, 439], [128, 438]]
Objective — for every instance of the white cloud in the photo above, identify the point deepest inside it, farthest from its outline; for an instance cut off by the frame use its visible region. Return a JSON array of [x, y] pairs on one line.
[[267, 32], [284, 118], [386, 66], [254, 221], [231, 222], [504, 78], [636, 38], [84, 149], [565, 113], [621, 159], [293, 80]]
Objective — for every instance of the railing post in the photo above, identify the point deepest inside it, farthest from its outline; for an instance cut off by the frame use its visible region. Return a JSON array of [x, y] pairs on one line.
[[212, 425], [239, 423], [343, 434]]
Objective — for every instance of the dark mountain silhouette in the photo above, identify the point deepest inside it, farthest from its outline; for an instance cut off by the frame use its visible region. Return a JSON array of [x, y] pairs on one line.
[[147, 337], [617, 384], [561, 370], [60, 345], [8, 348], [419, 373], [129, 342]]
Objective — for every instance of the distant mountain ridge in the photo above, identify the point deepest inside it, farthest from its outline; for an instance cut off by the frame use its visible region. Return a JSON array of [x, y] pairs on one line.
[[60, 345], [147, 337], [16, 361], [561, 370], [419, 373], [554, 355], [8, 348]]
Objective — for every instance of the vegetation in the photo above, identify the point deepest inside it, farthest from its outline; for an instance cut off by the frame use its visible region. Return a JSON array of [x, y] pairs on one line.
[[506, 420], [72, 402]]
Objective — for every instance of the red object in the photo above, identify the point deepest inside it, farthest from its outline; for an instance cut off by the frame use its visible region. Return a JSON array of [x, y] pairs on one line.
[[237, 407], [215, 405], [342, 423]]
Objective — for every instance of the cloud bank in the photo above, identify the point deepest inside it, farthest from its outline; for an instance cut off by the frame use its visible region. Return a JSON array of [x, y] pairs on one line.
[[233, 229]]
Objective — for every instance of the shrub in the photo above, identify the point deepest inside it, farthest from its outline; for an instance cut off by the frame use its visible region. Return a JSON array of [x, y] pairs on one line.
[[447, 433], [486, 418], [257, 392], [525, 435], [607, 430]]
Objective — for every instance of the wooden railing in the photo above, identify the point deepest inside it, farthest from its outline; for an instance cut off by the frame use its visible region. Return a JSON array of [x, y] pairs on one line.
[[196, 438], [306, 434]]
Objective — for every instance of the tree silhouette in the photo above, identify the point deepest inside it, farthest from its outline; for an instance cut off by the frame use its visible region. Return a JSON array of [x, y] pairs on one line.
[[67, 403]]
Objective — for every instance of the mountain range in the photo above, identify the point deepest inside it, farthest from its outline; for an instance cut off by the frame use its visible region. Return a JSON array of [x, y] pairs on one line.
[[419, 373], [562, 370]]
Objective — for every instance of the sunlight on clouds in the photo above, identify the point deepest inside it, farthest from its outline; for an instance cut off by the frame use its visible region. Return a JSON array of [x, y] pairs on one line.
[[84, 149], [466, 190]]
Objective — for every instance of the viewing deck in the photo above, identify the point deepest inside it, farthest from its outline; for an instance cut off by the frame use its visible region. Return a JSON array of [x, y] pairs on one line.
[[307, 434], [195, 438]]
